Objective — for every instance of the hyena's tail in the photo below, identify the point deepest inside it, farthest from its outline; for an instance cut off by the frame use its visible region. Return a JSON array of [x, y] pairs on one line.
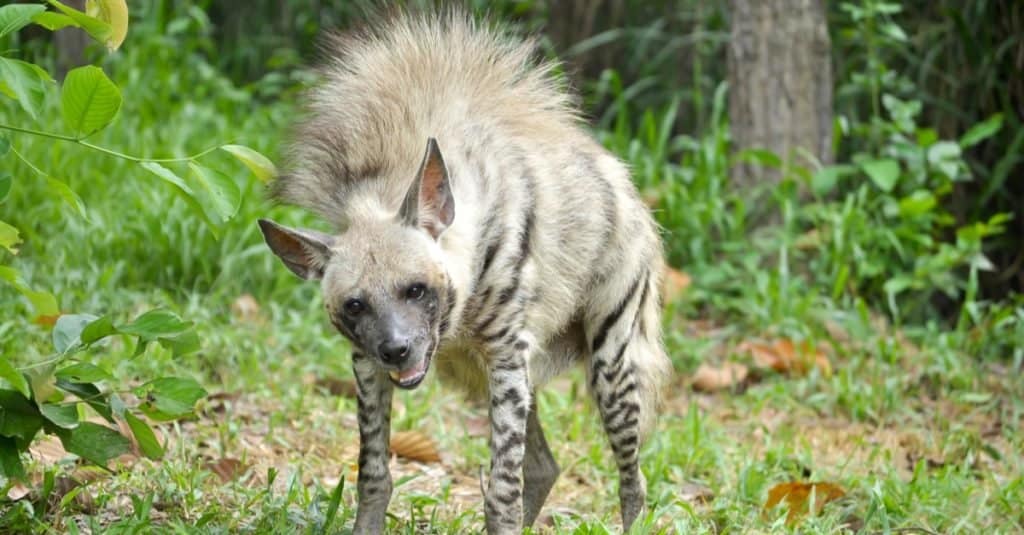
[[628, 364]]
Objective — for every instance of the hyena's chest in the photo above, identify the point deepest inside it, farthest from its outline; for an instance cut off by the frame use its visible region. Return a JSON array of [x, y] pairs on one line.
[[462, 363]]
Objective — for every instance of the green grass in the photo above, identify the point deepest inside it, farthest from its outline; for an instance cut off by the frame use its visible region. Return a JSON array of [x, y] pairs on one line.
[[919, 422]]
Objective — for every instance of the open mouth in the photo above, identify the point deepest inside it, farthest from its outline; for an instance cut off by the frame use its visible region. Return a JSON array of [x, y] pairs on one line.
[[412, 377]]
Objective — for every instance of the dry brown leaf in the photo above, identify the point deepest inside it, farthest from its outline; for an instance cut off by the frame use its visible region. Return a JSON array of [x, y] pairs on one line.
[[47, 450], [797, 496], [246, 308], [676, 282], [710, 379], [345, 388], [227, 468], [46, 320], [17, 492], [785, 357], [414, 445], [695, 493]]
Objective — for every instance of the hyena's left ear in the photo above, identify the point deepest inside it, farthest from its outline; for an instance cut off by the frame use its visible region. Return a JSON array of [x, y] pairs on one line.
[[429, 203], [305, 252]]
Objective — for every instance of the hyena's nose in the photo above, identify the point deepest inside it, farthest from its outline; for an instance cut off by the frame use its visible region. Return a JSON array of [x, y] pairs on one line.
[[393, 352]]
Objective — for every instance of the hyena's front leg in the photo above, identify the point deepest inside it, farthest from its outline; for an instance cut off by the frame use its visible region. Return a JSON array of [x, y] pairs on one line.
[[510, 402], [374, 486]]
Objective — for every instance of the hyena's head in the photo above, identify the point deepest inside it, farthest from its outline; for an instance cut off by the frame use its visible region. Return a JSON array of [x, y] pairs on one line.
[[384, 281]]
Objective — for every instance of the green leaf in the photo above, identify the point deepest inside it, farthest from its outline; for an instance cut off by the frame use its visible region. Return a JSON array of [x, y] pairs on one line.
[[148, 443], [764, 157], [224, 196], [260, 165], [982, 131], [168, 398], [83, 372], [10, 459], [918, 203], [18, 417], [156, 324], [52, 21], [14, 17], [9, 237], [96, 28], [945, 157], [68, 196], [825, 180], [24, 82], [884, 172], [168, 176], [115, 14], [44, 384], [99, 328], [16, 379], [63, 415], [90, 394], [5, 184], [89, 100], [5, 147], [44, 303], [94, 442], [182, 344], [68, 330]]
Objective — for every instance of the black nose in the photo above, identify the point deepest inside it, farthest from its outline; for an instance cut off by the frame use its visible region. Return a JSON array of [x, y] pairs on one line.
[[393, 352]]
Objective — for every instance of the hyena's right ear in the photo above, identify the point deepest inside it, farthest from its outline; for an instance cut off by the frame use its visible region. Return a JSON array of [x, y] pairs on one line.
[[429, 203], [305, 252]]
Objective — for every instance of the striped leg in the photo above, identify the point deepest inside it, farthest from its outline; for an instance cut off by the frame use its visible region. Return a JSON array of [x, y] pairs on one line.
[[374, 486], [510, 401], [540, 470]]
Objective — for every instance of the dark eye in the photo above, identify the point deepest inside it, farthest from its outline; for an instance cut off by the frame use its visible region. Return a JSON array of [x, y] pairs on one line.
[[415, 291], [354, 307]]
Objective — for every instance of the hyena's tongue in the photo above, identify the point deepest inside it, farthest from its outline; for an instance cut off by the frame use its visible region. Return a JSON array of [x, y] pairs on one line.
[[410, 374]]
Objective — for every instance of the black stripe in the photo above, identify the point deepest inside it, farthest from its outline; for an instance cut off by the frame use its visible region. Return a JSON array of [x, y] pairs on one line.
[[449, 304], [609, 322]]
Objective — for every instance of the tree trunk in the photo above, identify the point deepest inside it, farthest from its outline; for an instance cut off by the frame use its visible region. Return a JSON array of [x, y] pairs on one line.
[[780, 85], [70, 43]]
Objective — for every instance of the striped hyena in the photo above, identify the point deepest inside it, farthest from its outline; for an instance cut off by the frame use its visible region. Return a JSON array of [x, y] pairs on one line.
[[513, 247]]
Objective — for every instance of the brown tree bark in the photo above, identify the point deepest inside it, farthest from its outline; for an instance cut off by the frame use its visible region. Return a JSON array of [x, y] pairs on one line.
[[780, 84]]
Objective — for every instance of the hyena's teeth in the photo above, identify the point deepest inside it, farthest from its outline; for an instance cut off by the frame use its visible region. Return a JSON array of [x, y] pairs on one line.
[[395, 375]]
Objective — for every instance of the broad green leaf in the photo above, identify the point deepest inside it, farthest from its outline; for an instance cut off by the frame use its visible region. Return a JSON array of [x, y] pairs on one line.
[[90, 394], [761, 156], [63, 415], [260, 165], [99, 328], [945, 157], [10, 459], [224, 196], [5, 146], [182, 344], [44, 303], [83, 372], [825, 180], [918, 203], [5, 184], [10, 374], [96, 28], [9, 238], [89, 100], [156, 324], [94, 442], [68, 195], [168, 176], [68, 330], [148, 443], [115, 14], [19, 418], [44, 384], [25, 83], [168, 398], [52, 20], [884, 172], [982, 131], [14, 17]]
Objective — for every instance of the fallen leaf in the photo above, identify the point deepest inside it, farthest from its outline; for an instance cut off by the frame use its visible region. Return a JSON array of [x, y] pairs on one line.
[[47, 450], [797, 496], [46, 320], [414, 445], [17, 492], [695, 493], [711, 379], [227, 468], [345, 388], [246, 308], [785, 357], [676, 282]]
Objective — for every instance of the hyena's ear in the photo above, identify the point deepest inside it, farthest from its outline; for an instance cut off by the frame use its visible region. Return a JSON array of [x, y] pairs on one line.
[[429, 203], [305, 252]]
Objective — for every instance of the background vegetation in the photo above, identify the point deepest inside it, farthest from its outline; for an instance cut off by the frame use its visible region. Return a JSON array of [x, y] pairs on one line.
[[905, 281]]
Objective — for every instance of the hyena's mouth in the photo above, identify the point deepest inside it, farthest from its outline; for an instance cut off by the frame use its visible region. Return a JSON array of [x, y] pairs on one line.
[[412, 377]]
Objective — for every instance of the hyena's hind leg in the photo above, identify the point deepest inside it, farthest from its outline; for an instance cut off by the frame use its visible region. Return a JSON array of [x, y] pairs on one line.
[[626, 365], [540, 470]]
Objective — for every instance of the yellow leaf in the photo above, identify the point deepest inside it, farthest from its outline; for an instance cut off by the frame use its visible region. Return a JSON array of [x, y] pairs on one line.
[[709, 379], [415, 446], [797, 496], [114, 13]]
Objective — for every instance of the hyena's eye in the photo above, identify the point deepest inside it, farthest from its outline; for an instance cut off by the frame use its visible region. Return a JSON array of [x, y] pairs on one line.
[[354, 307], [415, 291]]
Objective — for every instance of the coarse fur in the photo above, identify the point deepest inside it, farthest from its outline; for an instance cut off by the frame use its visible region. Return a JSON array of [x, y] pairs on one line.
[[515, 248]]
